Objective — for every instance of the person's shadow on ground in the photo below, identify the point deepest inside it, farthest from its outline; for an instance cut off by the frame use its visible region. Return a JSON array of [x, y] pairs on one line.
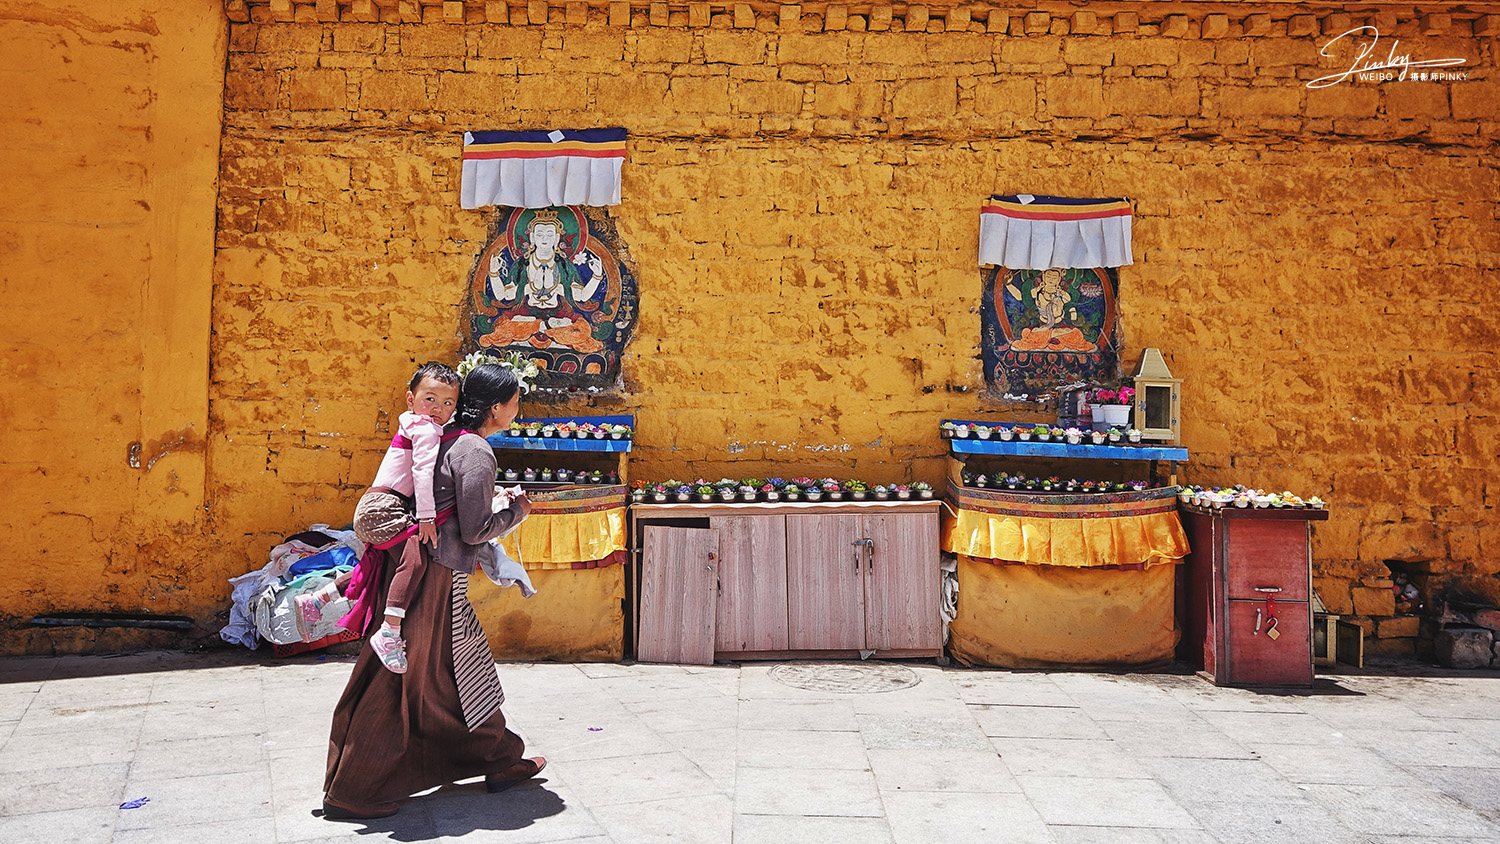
[[455, 810]]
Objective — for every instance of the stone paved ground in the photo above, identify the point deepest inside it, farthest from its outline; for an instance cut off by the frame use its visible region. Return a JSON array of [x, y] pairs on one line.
[[230, 748]]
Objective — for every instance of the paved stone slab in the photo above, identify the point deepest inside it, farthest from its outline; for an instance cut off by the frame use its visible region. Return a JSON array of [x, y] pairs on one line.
[[927, 818], [942, 770], [1091, 801], [1294, 820], [231, 747]]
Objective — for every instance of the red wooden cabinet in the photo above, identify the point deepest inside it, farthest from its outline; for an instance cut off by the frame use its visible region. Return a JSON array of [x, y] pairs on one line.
[[790, 580], [1246, 566]]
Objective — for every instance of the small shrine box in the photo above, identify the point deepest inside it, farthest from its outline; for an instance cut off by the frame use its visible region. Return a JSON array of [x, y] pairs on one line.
[[1246, 567]]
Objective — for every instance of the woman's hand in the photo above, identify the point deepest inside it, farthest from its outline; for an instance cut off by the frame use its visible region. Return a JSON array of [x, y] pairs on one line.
[[522, 505], [427, 532]]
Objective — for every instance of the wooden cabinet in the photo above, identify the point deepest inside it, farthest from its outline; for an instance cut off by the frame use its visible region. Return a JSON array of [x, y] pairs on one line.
[[826, 579], [1246, 566]]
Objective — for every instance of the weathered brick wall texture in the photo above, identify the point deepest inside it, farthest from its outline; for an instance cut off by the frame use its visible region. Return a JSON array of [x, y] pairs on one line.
[[803, 209], [109, 118]]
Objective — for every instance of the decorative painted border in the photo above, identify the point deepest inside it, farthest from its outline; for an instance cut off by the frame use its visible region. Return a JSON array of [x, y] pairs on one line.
[[1051, 505], [584, 499]]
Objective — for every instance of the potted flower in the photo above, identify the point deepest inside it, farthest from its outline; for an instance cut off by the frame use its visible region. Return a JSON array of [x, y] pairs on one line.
[[946, 430], [528, 474], [638, 491], [902, 491], [1043, 433], [1116, 435], [563, 475], [1047, 484], [1012, 482], [1112, 407], [1134, 435], [683, 492], [704, 491], [881, 493], [728, 493], [1138, 486], [659, 492], [792, 492], [1086, 487], [1057, 433], [1184, 494], [747, 492], [546, 474], [982, 431], [613, 478], [1074, 435], [1070, 485], [832, 489], [549, 430], [770, 492], [1023, 433], [858, 490], [813, 491], [1006, 432], [968, 478], [1030, 484], [961, 431], [515, 429], [596, 477], [533, 429], [512, 475], [1098, 437], [923, 489], [1315, 502], [565, 430]]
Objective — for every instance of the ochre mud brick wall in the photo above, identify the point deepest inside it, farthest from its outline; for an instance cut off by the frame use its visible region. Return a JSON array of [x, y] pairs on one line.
[[801, 200], [801, 197], [109, 117]]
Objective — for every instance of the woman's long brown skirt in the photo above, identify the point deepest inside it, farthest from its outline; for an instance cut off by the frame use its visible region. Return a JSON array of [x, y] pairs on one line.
[[397, 734]]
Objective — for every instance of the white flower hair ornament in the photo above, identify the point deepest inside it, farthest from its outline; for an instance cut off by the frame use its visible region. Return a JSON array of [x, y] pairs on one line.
[[526, 370]]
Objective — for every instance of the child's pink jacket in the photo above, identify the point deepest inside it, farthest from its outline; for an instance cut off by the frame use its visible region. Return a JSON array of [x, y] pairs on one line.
[[407, 466]]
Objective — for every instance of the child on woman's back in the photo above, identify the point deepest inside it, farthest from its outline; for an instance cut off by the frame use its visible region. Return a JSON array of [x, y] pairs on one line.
[[384, 511]]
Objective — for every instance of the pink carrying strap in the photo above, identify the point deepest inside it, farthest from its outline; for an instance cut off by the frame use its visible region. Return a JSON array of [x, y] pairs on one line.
[[367, 573]]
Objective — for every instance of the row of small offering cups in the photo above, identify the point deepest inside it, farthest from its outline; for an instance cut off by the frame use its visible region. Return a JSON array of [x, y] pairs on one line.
[[1221, 497], [1041, 433], [559, 476], [566, 430], [685, 494]]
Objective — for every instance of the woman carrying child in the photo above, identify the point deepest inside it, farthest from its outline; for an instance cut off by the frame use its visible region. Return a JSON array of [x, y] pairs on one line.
[[396, 734], [383, 514]]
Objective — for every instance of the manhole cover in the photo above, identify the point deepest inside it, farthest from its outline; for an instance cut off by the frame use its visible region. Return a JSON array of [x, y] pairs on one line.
[[849, 679]]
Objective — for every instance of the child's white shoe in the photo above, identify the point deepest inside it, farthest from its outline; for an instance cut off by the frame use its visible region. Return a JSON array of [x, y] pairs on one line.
[[391, 648]]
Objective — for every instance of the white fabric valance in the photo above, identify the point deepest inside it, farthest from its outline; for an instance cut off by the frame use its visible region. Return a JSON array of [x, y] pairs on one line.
[[542, 169], [1025, 232]]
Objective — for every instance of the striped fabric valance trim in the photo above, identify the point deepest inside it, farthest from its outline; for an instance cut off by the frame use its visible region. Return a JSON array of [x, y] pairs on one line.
[[1025, 232], [542, 169]]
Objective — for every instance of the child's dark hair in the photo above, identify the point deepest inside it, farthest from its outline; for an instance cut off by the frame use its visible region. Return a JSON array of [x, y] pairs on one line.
[[484, 387], [439, 372]]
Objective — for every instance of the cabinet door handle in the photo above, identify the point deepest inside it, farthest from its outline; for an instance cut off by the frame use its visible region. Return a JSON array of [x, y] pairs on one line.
[[869, 545]]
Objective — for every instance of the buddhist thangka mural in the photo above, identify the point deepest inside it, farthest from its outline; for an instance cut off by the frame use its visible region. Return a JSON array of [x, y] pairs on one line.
[[1042, 329], [557, 285]]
